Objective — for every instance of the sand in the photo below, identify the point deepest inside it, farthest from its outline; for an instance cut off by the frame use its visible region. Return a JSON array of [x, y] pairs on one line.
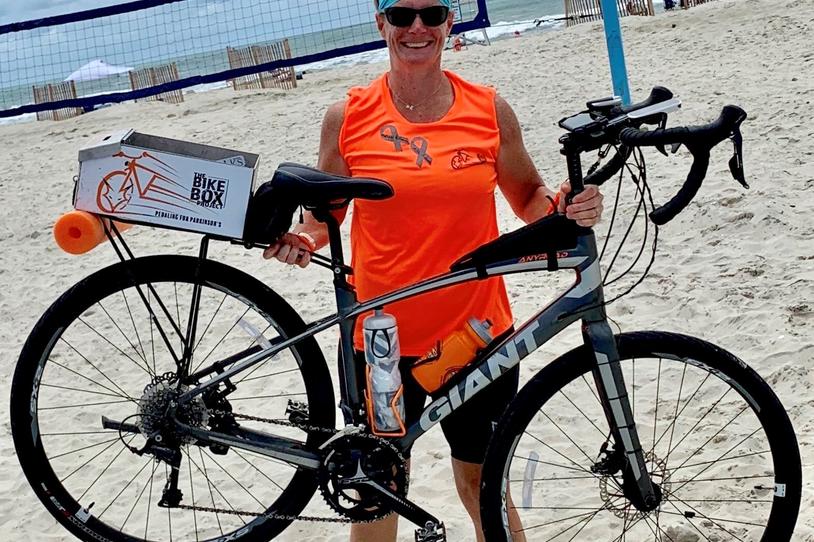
[[735, 268]]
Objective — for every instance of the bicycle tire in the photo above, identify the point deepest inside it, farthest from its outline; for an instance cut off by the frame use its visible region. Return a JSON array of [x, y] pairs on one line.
[[567, 512], [75, 312]]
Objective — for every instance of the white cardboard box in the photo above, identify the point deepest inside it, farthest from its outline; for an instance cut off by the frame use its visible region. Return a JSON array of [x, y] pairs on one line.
[[165, 182]]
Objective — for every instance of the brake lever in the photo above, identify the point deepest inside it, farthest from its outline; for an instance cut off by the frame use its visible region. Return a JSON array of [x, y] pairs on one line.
[[736, 162], [662, 125], [674, 148]]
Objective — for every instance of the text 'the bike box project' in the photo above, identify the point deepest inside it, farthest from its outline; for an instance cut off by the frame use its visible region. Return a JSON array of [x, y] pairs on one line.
[[165, 182]]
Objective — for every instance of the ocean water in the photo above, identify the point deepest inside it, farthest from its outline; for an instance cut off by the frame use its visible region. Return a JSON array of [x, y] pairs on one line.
[[173, 38]]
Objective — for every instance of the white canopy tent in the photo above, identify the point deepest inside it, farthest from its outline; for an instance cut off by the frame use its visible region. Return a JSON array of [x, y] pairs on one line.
[[96, 69]]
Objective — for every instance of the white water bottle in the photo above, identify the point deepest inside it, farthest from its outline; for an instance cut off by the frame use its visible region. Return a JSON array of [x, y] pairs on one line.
[[382, 355]]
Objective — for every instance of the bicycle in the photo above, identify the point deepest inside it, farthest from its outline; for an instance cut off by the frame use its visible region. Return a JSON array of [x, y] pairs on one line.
[[643, 467]]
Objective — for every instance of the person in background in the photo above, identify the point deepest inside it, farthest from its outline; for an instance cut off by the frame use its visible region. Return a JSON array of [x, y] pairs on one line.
[[407, 127]]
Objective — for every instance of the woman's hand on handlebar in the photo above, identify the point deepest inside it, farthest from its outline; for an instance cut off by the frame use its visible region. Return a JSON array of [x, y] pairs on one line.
[[585, 208], [291, 248]]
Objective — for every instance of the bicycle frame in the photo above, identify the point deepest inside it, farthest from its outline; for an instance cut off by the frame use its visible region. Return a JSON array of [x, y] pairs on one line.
[[584, 300]]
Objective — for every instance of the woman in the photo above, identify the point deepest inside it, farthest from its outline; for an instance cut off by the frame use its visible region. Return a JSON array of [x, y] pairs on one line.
[[444, 144]]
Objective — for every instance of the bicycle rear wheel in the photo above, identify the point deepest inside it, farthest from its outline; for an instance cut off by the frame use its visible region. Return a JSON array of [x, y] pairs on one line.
[[717, 441], [98, 352]]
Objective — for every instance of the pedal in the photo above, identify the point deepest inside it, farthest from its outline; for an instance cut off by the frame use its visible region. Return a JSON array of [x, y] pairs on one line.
[[431, 532], [297, 412]]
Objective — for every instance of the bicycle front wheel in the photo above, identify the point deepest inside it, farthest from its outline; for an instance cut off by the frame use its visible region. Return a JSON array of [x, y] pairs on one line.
[[717, 442], [98, 351]]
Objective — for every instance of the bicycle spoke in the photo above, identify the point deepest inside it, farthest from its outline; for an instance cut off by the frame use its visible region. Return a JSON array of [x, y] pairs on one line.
[[546, 524], [576, 465], [122, 394], [86, 360], [589, 458], [244, 488], [268, 375], [263, 363], [565, 467], [601, 432], [714, 521], [746, 477], [152, 335], [209, 486], [150, 500], [689, 519], [137, 364], [716, 460], [83, 405], [132, 321], [83, 448], [138, 499], [656, 412], [192, 492], [123, 489], [208, 324], [213, 486], [675, 419], [741, 411], [80, 390], [675, 414], [750, 454], [228, 331], [82, 496], [697, 423], [257, 469]]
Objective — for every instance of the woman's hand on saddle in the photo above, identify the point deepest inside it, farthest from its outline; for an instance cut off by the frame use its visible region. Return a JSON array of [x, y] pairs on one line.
[[292, 248], [585, 208]]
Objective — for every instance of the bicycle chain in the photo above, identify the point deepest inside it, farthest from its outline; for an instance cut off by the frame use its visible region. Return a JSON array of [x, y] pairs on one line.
[[272, 515]]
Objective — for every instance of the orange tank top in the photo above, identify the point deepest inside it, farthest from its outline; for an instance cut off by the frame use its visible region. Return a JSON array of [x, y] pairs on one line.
[[444, 177]]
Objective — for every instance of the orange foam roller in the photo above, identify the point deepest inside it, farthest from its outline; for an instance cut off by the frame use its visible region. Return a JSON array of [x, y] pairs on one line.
[[77, 232]]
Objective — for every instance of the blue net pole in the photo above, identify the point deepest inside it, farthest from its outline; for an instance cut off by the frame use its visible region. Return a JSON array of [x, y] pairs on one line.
[[616, 51]]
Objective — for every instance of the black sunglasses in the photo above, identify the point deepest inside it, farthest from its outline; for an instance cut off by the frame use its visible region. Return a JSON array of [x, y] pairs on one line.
[[404, 17]]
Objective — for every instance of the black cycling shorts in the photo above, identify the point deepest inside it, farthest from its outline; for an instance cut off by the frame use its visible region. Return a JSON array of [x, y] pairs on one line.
[[469, 428]]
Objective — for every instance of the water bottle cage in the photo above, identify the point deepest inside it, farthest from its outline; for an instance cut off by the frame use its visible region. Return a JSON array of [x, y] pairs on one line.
[[371, 413]]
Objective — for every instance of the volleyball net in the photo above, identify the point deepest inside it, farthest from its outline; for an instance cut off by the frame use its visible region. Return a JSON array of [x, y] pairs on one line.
[[83, 59]]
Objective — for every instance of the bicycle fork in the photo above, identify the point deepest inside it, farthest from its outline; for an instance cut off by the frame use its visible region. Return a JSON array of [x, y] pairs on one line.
[[644, 494]]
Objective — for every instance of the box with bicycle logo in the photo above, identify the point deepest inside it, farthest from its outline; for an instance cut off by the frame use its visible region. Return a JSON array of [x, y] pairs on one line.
[[166, 182]]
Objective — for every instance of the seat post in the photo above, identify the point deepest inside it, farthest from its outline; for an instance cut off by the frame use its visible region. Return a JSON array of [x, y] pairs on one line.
[[351, 402]]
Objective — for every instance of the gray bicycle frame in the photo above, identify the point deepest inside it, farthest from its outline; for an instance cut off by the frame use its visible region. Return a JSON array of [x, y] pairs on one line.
[[583, 300]]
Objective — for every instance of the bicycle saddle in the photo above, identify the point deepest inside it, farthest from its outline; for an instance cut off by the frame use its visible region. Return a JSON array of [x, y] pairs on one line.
[[314, 188]]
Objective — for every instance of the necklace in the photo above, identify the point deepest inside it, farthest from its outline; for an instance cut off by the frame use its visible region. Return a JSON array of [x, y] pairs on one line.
[[411, 107]]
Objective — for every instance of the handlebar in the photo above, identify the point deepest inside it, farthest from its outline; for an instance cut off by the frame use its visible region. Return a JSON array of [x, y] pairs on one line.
[[607, 121], [699, 140]]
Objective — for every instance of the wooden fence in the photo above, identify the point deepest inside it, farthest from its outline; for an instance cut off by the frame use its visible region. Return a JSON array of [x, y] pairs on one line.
[[582, 11], [260, 54], [157, 75], [52, 92]]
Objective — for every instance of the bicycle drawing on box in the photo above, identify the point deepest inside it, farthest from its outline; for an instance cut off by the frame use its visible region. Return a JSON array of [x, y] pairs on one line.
[[177, 398], [118, 188]]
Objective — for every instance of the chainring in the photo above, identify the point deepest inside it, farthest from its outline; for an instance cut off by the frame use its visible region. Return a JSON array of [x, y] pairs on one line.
[[356, 457]]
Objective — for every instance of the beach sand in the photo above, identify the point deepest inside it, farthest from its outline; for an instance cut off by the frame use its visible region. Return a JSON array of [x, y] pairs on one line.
[[736, 268]]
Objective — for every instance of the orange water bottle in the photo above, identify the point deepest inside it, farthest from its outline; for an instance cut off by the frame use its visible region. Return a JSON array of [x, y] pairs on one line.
[[452, 354]]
